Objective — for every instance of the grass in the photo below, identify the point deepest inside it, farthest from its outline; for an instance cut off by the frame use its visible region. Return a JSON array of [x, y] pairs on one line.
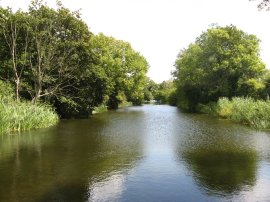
[[100, 109], [125, 104], [20, 116], [255, 113]]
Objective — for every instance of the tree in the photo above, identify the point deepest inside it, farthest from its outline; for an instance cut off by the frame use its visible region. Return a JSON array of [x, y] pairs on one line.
[[216, 65], [58, 51], [165, 89], [14, 37], [50, 55], [46, 54], [123, 69], [150, 90]]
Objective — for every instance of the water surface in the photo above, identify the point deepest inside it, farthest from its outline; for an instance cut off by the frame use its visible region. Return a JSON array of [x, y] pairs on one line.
[[149, 153]]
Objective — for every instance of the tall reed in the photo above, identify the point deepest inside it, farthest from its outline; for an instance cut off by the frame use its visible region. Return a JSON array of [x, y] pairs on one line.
[[19, 116], [245, 110]]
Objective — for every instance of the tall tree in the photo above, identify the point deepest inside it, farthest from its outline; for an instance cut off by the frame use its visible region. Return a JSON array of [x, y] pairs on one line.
[[220, 61], [123, 69], [14, 37], [58, 49]]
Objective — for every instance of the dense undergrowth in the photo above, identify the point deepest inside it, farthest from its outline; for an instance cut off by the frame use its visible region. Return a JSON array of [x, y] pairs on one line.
[[19, 116], [23, 115], [249, 111]]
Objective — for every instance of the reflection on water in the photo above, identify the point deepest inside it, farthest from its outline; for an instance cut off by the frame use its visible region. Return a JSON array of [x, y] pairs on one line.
[[107, 190], [222, 160], [150, 153], [223, 171]]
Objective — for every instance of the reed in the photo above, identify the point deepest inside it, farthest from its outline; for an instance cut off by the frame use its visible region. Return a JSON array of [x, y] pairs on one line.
[[255, 113], [20, 116]]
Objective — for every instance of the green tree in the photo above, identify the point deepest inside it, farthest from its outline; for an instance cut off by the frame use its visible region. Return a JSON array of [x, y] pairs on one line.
[[165, 89], [123, 69], [216, 65], [50, 55], [14, 39], [150, 90], [46, 54]]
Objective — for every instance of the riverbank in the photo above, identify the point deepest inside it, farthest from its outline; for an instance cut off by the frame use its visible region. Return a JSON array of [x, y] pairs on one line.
[[104, 108], [21, 116], [248, 111]]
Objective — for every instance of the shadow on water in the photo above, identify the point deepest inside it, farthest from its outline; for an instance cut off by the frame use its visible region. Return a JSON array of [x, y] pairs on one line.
[[224, 171], [219, 156], [62, 162]]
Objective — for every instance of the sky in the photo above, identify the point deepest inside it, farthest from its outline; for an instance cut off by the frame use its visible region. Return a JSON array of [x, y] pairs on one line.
[[159, 29]]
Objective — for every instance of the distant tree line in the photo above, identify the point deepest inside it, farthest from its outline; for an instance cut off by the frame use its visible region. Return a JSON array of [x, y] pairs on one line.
[[50, 55], [162, 93]]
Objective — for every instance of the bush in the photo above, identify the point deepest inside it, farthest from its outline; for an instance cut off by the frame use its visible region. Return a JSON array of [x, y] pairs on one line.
[[210, 108], [245, 110], [100, 109]]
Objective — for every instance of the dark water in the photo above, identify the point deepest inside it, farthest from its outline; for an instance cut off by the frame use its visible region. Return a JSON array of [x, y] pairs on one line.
[[150, 153]]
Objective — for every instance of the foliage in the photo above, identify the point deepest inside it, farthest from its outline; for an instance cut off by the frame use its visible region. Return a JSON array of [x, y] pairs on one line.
[[223, 62], [164, 91], [49, 55], [18, 116], [245, 110], [123, 69], [252, 87], [150, 90], [100, 109], [14, 46], [6, 91]]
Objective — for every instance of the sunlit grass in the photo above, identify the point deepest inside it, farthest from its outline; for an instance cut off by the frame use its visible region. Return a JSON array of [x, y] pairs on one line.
[[19, 116], [255, 113], [100, 109]]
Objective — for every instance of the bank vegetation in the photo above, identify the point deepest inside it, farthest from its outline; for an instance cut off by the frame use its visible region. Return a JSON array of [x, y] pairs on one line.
[[222, 73], [56, 67]]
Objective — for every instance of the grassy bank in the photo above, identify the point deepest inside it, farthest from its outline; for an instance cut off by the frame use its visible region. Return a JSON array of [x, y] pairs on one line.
[[255, 113], [19, 116]]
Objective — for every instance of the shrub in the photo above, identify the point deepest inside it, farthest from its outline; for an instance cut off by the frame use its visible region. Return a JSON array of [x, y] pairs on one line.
[[245, 110]]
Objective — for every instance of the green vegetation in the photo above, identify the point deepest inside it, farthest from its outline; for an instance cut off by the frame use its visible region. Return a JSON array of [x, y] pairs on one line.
[[245, 110], [100, 109], [163, 93], [50, 56], [242, 110], [123, 69], [223, 62], [222, 73], [18, 116]]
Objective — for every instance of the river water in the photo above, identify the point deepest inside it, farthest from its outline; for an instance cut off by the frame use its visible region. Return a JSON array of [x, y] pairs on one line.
[[149, 153]]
